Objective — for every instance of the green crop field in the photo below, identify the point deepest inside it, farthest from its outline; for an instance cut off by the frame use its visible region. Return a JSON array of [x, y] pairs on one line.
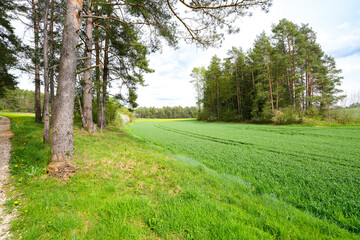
[[316, 169]]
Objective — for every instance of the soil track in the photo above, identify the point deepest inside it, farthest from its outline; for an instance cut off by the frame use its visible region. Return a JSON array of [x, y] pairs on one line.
[[5, 147]]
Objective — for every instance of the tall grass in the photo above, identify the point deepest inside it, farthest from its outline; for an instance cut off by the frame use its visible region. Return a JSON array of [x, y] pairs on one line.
[[343, 116]]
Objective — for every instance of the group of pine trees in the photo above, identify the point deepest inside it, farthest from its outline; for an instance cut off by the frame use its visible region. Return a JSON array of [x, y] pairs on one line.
[[166, 112], [80, 47], [18, 100], [285, 70]]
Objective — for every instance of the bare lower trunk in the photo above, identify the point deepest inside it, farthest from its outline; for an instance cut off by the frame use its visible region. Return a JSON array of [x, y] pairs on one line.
[[294, 93], [307, 86], [62, 138], [37, 95], [288, 84], [81, 113], [46, 133], [291, 52], [218, 99], [100, 77], [104, 81], [277, 91], [288, 75], [87, 94], [269, 78], [238, 98]]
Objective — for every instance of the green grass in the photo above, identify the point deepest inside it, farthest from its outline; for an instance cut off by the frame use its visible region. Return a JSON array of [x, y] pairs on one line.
[[316, 169], [126, 188]]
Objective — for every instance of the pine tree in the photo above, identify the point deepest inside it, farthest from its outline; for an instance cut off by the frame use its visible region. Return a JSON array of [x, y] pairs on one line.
[[9, 47]]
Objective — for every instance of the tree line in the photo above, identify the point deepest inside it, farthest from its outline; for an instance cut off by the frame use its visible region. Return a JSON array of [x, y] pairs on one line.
[[284, 72], [18, 100], [166, 112], [80, 48]]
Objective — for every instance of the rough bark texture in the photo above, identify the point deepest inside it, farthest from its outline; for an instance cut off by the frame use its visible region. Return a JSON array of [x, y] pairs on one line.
[[87, 94], [51, 53], [46, 133], [62, 138], [36, 26]]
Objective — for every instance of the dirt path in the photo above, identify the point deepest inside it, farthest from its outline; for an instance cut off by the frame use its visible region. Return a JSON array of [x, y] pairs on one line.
[[5, 147]]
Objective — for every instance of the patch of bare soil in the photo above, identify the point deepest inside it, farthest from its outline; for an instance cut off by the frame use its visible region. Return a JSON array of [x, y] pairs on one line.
[[64, 169], [5, 147]]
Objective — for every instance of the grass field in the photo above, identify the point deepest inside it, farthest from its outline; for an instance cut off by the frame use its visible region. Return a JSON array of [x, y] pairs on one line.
[[125, 188], [316, 169]]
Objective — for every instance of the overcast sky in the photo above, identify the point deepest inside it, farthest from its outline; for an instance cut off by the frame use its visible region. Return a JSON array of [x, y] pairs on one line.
[[337, 24]]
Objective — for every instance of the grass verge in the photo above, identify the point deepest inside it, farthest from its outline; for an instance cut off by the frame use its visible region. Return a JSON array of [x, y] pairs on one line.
[[127, 189]]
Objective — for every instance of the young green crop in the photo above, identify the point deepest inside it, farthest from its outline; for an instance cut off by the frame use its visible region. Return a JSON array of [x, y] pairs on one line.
[[314, 169]]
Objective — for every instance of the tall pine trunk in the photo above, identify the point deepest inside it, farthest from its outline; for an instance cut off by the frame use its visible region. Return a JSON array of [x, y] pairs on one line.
[[269, 78], [218, 98], [46, 133], [98, 76], [288, 76], [105, 80], [291, 52], [52, 57], [277, 91], [87, 94], [62, 139], [100, 90], [104, 83], [238, 92], [36, 25]]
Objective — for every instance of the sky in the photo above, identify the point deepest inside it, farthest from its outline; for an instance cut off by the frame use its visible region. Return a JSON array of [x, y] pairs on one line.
[[337, 24]]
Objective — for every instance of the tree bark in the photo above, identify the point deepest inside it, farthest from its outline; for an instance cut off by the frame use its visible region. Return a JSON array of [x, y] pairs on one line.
[[62, 139], [307, 84], [238, 98], [218, 98], [81, 113], [87, 94], [37, 63], [51, 53], [277, 91], [104, 83], [46, 133], [269, 78], [288, 75], [291, 52], [100, 88]]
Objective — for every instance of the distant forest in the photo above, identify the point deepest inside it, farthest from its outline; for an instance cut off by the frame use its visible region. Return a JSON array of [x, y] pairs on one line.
[[18, 100], [286, 73], [166, 112]]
